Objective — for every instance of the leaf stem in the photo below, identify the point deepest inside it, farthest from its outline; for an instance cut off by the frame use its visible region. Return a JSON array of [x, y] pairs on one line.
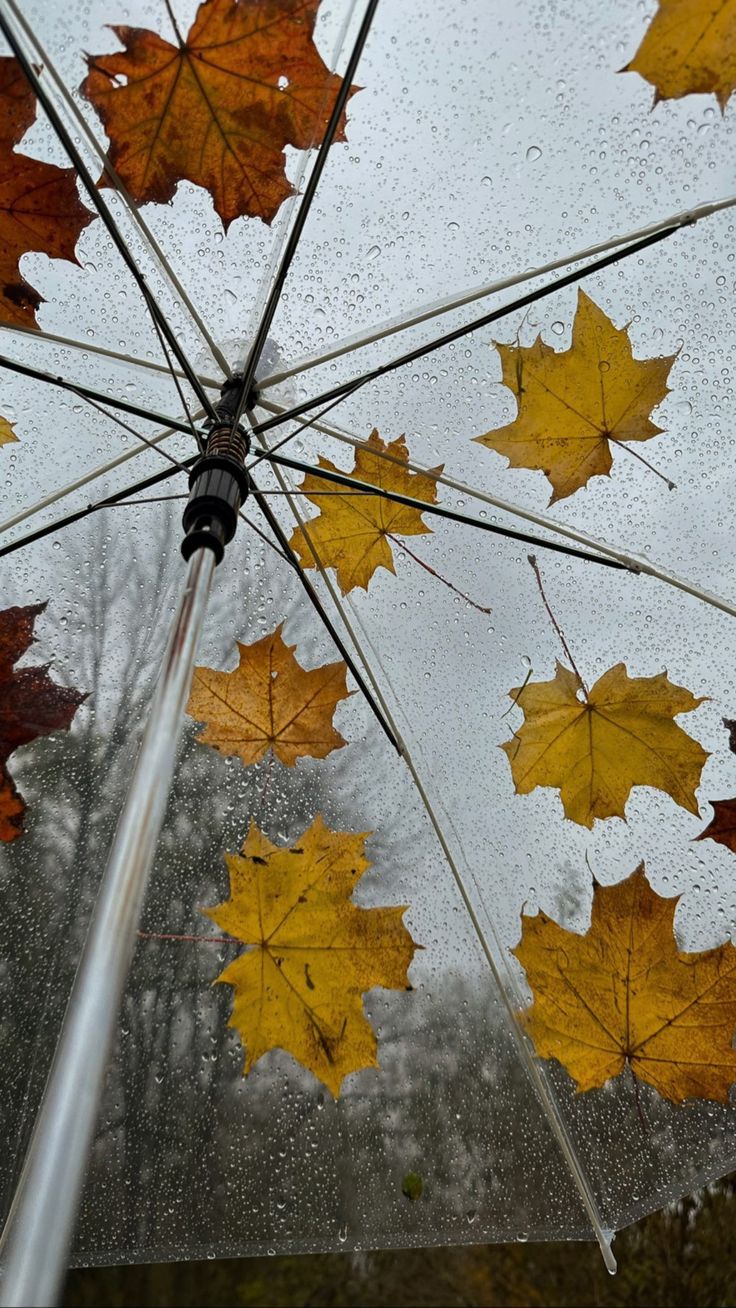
[[433, 573], [174, 23], [516, 697], [556, 625], [635, 454]]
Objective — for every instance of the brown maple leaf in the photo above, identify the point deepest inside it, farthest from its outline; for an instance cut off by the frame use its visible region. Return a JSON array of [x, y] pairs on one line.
[[624, 995], [217, 108], [31, 705], [722, 826], [40, 209], [269, 702], [17, 101]]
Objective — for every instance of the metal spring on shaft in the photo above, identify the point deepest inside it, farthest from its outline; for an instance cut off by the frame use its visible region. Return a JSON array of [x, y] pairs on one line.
[[232, 442]]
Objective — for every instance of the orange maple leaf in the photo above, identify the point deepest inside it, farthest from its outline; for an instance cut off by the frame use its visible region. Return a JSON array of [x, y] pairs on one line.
[[218, 107], [269, 702], [40, 209], [624, 995]]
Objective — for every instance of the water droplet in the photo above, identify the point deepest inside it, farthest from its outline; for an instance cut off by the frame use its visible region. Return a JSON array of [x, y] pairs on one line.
[[533, 153], [558, 328], [374, 252]]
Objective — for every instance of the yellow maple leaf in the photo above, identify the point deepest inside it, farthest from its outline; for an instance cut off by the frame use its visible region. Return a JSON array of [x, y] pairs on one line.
[[312, 953], [269, 702], [623, 994], [7, 432], [689, 47], [595, 745], [352, 533], [573, 403], [219, 106]]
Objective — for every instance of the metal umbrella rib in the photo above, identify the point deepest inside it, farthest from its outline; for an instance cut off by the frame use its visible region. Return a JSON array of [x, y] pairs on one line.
[[40, 1225], [343, 389], [103, 210], [259, 339]]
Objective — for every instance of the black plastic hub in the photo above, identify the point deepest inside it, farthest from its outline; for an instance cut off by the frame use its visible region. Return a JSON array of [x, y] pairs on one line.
[[218, 482]]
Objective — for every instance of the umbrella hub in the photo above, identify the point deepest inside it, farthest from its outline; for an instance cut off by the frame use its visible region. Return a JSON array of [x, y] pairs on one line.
[[218, 481]]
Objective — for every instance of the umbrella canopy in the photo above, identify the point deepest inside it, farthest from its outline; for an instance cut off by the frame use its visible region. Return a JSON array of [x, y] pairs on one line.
[[553, 1054]]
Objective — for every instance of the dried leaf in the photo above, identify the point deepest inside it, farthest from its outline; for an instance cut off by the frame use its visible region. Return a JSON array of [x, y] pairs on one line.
[[689, 48], [40, 209], [269, 702], [31, 705], [722, 826], [312, 953], [573, 403], [595, 746], [351, 532], [17, 102], [7, 432], [216, 108], [623, 994]]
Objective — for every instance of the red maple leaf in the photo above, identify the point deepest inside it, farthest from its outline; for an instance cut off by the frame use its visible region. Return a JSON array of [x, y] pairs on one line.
[[31, 705]]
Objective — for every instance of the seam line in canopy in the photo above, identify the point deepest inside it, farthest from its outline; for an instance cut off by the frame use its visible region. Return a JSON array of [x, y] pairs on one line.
[[435, 309], [87, 392], [636, 562], [536, 1074], [119, 186], [100, 471], [495, 315], [292, 241], [37, 334]]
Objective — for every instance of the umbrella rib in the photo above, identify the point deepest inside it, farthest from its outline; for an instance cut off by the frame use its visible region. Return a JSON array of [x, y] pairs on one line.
[[638, 564], [493, 953], [119, 186], [274, 296], [317, 604], [103, 210], [88, 347], [354, 486], [87, 393], [99, 471], [179, 389], [495, 315], [437, 308], [151, 445], [629, 561]]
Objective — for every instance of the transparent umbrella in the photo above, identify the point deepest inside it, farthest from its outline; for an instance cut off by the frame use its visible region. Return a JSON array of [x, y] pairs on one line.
[[463, 368]]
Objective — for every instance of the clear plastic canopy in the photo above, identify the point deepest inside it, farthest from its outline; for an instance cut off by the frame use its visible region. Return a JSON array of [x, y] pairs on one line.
[[488, 140]]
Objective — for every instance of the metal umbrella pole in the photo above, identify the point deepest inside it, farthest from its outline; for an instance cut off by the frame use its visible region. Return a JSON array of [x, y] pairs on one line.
[[40, 1225]]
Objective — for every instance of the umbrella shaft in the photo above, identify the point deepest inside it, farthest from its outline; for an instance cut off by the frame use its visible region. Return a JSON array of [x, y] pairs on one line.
[[40, 1225]]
